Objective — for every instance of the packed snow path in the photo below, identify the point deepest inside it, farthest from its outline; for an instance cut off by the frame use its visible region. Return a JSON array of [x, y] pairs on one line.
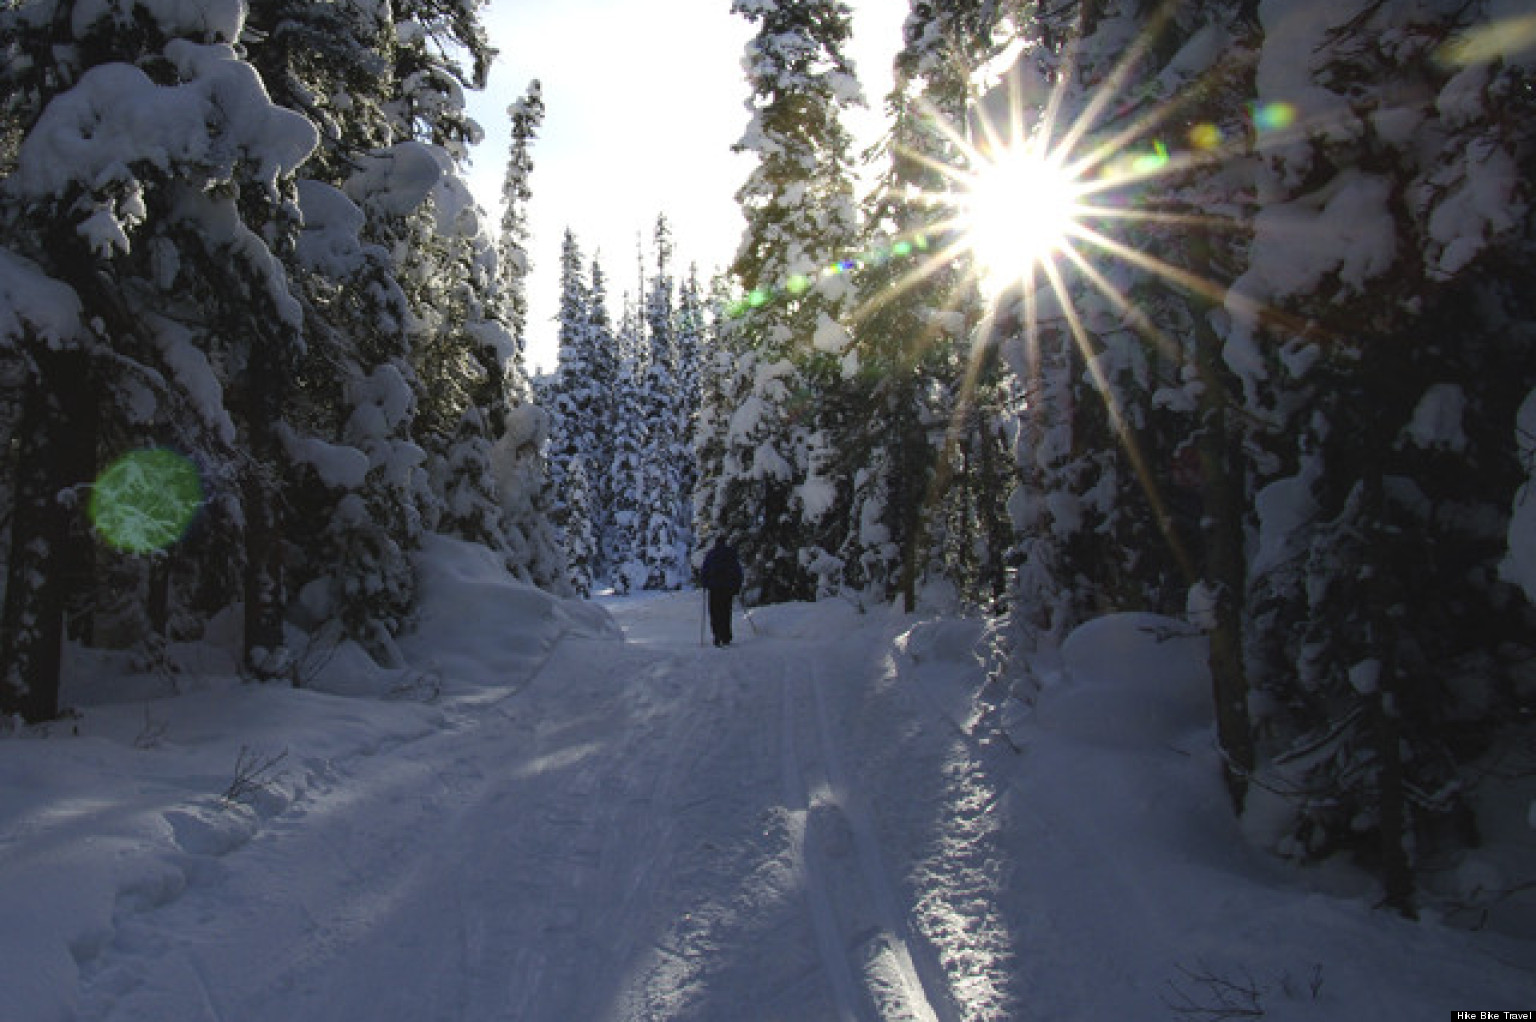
[[648, 829]]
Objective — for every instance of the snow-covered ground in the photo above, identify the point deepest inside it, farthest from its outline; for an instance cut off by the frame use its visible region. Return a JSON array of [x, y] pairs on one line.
[[569, 812]]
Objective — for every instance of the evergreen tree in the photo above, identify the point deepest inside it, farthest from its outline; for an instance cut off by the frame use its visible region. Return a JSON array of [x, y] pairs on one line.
[[316, 345], [477, 422], [800, 220], [661, 471], [573, 450], [331, 62], [692, 327], [1375, 589], [356, 487], [668, 472], [157, 229], [928, 387], [625, 540], [1278, 412], [710, 434], [602, 398], [527, 115]]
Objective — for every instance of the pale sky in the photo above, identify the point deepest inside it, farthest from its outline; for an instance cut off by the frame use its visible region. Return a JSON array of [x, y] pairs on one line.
[[643, 103]]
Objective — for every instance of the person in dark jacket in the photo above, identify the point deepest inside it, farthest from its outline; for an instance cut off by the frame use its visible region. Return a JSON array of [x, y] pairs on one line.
[[721, 575]]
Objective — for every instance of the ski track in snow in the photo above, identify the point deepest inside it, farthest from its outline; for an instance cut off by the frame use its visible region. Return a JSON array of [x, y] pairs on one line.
[[858, 932], [647, 831]]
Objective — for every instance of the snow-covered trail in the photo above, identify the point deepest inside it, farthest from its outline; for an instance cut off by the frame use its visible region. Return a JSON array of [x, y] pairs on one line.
[[806, 827], [647, 830]]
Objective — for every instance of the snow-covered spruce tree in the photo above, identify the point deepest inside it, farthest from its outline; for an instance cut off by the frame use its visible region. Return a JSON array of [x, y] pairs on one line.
[[1395, 212], [476, 419], [972, 533], [579, 538], [1083, 510], [151, 182], [435, 39], [665, 544], [332, 63], [356, 485], [1131, 448], [573, 450], [623, 543], [711, 429], [601, 398], [921, 379], [800, 216], [418, 247], [357, 491], [1198, 485], [692, 330], [527, 115], [55, 453]]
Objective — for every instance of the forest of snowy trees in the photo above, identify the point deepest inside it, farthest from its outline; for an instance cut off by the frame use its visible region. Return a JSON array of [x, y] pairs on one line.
[[1280, 385], [1281, 381], [622, 404], [238, 237]]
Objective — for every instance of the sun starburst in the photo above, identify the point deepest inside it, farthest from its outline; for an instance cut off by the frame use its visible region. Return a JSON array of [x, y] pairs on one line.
[[1038, 204], [1015, 212]]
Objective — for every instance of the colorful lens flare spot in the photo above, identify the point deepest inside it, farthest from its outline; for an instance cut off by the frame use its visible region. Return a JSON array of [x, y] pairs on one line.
[[1151, 163], [1205, 137], [800, 283], [145, 500], [1498, 40], [1273, 116]]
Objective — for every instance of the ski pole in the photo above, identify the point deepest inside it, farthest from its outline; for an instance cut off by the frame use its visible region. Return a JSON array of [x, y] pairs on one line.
[[703, 614]]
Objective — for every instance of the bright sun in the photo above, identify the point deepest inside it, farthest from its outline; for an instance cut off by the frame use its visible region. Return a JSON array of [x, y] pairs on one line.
[[1017, 210]]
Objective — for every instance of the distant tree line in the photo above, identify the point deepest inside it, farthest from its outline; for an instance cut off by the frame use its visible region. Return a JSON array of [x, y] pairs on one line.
[[623, 402]]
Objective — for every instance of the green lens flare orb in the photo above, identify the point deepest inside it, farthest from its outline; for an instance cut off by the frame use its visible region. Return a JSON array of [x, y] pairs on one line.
[[145, 500]]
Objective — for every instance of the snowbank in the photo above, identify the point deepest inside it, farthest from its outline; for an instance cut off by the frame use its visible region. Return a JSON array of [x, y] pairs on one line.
[[480, 629], [1131, 680], [1130, 888], [113, 813]]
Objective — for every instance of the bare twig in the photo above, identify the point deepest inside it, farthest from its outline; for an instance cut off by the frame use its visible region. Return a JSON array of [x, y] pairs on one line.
[[152, 734], [253, 772], [1216, 998], [417, 687]]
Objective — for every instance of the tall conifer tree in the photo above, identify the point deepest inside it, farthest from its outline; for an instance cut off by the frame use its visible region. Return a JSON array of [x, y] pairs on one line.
[[163, 225], [527, 115], [798, 204]]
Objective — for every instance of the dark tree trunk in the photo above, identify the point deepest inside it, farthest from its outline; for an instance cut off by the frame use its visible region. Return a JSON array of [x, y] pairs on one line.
[[1396, 869], [1225, 563], [57, 435], [158, 602], [263, 577], [912, 493], [1382, 590], [265, 595], [1226, 574]]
